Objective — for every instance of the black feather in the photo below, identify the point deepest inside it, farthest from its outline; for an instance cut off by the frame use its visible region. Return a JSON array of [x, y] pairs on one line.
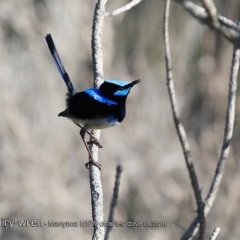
[[59, 65]]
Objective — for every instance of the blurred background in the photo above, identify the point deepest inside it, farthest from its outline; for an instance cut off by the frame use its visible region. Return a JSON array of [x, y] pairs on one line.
[[42, 157]]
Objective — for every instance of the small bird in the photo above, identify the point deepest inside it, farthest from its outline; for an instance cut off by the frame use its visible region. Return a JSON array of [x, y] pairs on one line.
[[93, 108]]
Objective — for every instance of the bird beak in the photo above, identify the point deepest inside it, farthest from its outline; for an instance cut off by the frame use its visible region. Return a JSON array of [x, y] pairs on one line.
[[130, 85], [135, 82]]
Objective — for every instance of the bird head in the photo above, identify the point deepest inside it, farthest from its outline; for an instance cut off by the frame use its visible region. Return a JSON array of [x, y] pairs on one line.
[[117, 89]]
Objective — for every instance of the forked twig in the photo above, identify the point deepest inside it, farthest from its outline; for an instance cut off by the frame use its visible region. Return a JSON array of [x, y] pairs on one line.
[[212, 12], [228, 132], [122, 9], [227, 27], [179, 127], [119, 170]]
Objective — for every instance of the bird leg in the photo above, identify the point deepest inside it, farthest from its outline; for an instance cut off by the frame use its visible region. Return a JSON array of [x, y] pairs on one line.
[[95, 140], [91, 160]]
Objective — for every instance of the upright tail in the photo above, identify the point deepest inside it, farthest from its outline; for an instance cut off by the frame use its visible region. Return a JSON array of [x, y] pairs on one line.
[[58, 62]]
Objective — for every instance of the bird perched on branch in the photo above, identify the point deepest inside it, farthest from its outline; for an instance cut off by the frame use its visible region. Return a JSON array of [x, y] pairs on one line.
[[93, 108]]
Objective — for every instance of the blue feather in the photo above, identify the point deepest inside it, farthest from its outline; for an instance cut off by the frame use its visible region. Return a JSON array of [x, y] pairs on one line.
[[120, 83], [117, 82], [97, 95], [122, 93]]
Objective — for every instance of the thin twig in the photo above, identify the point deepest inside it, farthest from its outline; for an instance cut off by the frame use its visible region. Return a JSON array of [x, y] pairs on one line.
[[215, 233], [179, 127], [228, 132], [119, 170], [94, 173], [228, 28], [125, 8], [212, 12]]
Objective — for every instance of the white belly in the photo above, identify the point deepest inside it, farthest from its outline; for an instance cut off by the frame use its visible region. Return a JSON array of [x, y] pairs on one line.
[[94, 124]]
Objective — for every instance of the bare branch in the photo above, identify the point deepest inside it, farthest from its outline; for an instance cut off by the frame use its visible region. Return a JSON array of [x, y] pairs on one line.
[[119, 170], [215, 233], [123, 9], [212, 12], [97, 55], [179, 127], [228, 132], [94, 173], [228, 28]]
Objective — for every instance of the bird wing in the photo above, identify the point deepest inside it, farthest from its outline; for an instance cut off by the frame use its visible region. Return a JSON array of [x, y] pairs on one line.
[[91, 104]]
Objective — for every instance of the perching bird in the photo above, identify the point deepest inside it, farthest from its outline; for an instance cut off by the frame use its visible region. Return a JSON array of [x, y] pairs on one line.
[[93, 108]]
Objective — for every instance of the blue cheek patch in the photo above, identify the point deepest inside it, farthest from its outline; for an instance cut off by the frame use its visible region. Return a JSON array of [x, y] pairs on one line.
[[97, 95], [122, 93]]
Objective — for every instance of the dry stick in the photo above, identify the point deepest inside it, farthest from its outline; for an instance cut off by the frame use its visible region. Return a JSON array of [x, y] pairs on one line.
[[215, 233], [227, 27], [179, 127], [228, 132], [123, 9], [94, 173], [119, 170], [212, 12]]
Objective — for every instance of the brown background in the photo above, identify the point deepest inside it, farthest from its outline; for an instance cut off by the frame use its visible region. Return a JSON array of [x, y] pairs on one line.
[[42, 172]]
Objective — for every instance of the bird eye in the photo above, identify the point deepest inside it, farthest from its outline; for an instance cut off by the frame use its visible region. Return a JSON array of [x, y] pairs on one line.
[[121, 88]]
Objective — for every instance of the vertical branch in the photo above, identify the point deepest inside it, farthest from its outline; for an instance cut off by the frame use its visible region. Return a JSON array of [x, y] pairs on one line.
[[114, 200], [179, 127], [94, 173], [97, 31], [228, 132]]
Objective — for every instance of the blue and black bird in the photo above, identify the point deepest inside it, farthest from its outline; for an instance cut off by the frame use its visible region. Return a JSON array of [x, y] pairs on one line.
[[93, 108]]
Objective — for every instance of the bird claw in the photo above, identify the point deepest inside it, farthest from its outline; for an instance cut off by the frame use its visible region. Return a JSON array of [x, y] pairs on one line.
[[97, 164], [94, 141]]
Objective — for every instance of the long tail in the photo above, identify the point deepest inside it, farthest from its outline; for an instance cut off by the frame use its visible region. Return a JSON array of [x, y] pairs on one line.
[[59, 65]]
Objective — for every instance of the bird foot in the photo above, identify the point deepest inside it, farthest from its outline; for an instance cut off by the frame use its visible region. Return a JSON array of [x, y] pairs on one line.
[[97, 164], [95, 141]]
